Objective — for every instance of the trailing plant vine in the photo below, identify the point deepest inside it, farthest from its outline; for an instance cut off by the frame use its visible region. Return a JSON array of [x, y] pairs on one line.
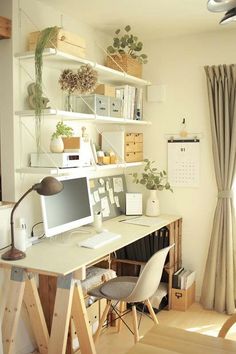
[[45, 37]]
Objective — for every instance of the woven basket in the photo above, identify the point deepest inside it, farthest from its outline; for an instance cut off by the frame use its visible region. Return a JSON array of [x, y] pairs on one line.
[[124, 61]]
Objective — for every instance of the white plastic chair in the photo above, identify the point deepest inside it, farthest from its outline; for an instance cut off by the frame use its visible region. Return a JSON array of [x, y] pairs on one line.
[[128, 289]]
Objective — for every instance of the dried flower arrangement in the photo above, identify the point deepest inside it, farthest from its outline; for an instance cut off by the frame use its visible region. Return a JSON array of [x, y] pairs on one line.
[[83, 81], [87, 79], [68, 81]]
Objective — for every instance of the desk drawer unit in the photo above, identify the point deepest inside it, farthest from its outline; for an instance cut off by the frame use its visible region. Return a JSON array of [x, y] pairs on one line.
[[127, 146]]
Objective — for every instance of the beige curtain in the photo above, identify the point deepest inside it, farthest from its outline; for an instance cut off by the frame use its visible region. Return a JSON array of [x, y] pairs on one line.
[[219, 278]]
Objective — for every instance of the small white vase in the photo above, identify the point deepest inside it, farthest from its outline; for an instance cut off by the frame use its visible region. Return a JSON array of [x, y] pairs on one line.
[[57, 145], [152, 205]]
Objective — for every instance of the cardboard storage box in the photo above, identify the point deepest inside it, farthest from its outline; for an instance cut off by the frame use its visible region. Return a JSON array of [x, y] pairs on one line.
[[5, 28], [106, 90], [66, 42], [182, 299]]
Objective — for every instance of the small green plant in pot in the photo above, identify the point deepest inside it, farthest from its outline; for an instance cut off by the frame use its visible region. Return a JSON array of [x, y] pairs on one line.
[[62, 130], [154, 181]]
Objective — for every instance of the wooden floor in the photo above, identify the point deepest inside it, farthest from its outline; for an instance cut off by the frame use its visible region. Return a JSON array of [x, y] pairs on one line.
[[195, 319]]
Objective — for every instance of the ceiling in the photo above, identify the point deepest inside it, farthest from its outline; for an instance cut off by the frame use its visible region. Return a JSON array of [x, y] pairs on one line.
[[149, 19]]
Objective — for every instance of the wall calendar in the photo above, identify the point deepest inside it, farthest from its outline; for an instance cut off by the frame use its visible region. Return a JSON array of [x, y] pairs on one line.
[[184, 162]]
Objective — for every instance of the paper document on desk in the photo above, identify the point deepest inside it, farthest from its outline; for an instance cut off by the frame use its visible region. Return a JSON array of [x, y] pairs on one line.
[[146, 221]]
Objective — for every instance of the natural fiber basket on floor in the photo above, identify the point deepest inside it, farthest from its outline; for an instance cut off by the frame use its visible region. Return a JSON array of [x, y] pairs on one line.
[[124, 61]]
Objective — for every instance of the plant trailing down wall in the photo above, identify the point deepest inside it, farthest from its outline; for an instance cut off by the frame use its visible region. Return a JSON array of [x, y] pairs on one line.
[[44, 38]]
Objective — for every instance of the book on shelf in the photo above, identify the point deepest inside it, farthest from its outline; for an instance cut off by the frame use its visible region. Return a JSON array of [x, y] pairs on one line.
[[176, 278], [132, 101], [138, 104]]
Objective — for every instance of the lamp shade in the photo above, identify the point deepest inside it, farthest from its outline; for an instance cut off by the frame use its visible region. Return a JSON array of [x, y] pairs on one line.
[[229, 16], [48, 186], [220, 5]]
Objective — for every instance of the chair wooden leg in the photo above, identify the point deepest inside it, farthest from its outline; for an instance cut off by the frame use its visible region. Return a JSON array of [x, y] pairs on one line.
[[102, 320], [226, 326], [151, 311], [135, 324], [120, 322]]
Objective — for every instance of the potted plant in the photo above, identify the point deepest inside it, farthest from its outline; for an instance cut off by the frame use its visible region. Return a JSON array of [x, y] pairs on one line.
[[62, 131], [154, 181], [125, 53]]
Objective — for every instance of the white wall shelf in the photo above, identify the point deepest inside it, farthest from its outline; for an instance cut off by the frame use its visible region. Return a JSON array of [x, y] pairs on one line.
[[83, 117], [54, 171], [105, 74]]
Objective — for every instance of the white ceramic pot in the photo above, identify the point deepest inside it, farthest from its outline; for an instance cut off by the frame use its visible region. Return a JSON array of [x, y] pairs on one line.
[[152, 205], [57, 145]]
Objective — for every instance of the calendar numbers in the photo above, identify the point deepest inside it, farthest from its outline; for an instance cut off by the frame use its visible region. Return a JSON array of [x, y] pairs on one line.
[[183, 163]]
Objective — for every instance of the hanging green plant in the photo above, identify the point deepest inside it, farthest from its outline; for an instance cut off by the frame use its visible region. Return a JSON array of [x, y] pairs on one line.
[[45, 37]]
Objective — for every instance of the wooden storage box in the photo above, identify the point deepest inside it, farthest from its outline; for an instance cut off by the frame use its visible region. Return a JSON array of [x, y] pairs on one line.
[[106, 90], [124, 62], [5, 28], [133, 147], [71, 144], [127, 146], [182, 299], [66, 42]]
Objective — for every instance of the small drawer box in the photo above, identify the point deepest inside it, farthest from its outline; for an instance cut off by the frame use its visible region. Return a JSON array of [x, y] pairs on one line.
[[92, 104], [115, 107], [138, 137], [182, 299], [129, 137]]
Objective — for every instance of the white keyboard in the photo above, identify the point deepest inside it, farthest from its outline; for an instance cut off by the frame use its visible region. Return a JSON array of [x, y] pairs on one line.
[[99, 240]]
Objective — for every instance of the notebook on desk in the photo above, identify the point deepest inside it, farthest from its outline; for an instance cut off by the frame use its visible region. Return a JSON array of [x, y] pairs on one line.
[[146, 220]]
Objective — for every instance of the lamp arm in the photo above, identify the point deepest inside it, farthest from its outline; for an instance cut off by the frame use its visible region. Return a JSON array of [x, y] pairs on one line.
[[13, 210]]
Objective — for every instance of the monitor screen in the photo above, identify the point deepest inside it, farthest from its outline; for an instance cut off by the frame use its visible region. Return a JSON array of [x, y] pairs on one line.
[[68, 209]]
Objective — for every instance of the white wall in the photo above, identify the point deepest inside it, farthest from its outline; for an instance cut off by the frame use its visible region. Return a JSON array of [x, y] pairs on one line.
[[179, 64]]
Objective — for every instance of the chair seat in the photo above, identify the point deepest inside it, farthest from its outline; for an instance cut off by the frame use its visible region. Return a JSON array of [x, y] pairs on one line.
[[115, 289]]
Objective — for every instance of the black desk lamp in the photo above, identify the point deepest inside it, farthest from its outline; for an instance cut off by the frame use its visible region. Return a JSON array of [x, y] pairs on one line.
[[48, 186]]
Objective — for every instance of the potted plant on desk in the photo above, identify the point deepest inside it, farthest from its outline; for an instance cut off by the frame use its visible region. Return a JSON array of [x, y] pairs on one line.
[[154, 181]]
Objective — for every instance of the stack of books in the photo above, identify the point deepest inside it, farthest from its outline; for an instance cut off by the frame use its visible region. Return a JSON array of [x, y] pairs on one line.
[[132, 101], [183, 279]]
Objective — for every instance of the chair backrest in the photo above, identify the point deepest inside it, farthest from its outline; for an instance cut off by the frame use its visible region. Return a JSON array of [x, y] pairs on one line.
[[150, 277]]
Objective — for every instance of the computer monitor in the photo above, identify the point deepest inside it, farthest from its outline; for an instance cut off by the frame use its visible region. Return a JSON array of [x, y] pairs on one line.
[[68, 209]]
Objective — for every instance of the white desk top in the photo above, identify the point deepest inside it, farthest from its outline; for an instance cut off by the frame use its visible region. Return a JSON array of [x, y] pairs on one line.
[[61, 255]]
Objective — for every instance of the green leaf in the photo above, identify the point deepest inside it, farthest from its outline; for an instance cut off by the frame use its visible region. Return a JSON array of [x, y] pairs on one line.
[[127, 28], [111, 50], [117, 31]]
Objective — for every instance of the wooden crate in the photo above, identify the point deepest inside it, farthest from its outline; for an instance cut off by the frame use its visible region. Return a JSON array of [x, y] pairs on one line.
[[5, 28], [182, 299], [124, 62], [66, 42]]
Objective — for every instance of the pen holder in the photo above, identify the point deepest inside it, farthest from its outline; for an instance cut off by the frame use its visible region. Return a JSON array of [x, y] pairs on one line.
[[98, 222]]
